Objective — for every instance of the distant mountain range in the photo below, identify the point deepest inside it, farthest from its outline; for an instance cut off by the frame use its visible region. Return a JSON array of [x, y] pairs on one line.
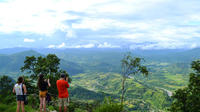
[[156, 55], [95, 73], [10, 63], [92, 60]]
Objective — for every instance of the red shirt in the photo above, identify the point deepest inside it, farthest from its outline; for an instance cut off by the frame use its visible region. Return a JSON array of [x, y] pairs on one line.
[[62, 86]]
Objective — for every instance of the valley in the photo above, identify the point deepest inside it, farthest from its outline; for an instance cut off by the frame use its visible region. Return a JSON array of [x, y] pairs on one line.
[[96, 74]]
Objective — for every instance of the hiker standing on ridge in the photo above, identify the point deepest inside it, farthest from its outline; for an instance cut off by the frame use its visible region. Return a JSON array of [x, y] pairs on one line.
[[20, 90], [42, 85], [62, 85]]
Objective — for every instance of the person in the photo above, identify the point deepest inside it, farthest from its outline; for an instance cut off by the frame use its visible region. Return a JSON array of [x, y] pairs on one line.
[[20, 90], [62, 85], [42, 85]]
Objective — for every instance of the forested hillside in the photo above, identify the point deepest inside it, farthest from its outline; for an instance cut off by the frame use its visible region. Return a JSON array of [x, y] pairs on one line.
[[95, 75]]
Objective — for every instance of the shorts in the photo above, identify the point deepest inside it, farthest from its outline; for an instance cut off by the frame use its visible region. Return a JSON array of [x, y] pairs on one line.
[[63, 101], [43, 94], [20, 98]]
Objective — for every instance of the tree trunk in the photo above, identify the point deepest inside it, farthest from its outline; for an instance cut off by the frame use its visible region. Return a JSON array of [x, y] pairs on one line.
[[123, 90]]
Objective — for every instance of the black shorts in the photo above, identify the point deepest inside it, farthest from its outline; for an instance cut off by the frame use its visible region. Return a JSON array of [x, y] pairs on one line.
[[20, 98]]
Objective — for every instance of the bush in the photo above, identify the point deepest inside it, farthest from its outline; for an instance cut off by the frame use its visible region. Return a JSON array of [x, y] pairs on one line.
[[109, 106], [12, 108], [79, 110]]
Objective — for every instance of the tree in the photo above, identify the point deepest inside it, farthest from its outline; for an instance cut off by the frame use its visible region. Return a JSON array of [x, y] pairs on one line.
[[131, 66], [45, 65], [49, 66], [6, 84], [187, 99], [30, 85]]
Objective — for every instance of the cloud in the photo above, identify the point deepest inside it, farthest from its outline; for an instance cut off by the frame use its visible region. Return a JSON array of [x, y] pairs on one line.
[[103, 23], [63, 45], [71, 34], [83, 46], [51, 46], [28, 40], [106, 45]]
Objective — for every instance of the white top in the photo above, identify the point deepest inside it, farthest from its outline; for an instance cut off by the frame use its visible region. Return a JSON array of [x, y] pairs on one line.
[[18, 89]]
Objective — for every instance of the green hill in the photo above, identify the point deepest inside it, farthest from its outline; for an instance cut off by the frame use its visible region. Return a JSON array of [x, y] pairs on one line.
[[11, 64], [139, 96], [95, 74]]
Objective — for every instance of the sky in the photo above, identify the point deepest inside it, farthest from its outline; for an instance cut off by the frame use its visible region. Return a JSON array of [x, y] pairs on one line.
[[134, 24]]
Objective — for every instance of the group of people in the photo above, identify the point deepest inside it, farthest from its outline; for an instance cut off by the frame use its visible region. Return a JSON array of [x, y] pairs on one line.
[[62, 84]]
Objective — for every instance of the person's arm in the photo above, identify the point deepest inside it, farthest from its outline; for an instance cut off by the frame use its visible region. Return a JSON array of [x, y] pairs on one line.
[[66, 79], [14, 89], [67, 84], [24, 87], [48, 83]]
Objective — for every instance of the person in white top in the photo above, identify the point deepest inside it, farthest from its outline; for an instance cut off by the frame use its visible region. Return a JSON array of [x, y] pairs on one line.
[[20, 90]]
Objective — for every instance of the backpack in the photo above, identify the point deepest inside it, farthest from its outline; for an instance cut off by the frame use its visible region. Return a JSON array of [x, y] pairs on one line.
[[25, 97]]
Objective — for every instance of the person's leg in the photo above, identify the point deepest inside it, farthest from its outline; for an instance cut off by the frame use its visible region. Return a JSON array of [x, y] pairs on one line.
[[41, 103], [65, 104], [22, 106], [44, 104], [18, 106], [65, 108], [60, 104], [60, 108]]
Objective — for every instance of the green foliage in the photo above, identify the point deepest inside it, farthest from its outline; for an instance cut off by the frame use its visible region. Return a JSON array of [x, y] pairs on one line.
[[12, 108], [167, 73], [132, 65], [187, 99], [6, 84], [7, 108], [139, 96], [45, 65], [49, 66], [109, 106], [81, 93], [30, 85]]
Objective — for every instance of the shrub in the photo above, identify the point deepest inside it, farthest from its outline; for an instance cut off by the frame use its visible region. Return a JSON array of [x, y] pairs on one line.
[[109, 106]]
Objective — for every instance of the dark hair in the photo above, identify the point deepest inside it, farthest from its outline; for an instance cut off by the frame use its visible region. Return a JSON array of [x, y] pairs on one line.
[[40, 81], [63, 75], [20, 79]]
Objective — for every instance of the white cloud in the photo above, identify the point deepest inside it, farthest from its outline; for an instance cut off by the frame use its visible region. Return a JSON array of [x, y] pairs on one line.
[[93, 24], [51, 46], [62, 45], [28, 40], [83, 46], [71, 34], [47, 16], [168, 23], [32, 16], [106, 45]]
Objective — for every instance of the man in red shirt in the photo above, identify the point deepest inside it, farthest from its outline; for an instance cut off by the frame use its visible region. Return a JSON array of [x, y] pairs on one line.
[[62, 85]]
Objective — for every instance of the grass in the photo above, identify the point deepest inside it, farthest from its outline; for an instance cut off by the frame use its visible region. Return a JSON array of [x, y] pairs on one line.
[[12, 108]]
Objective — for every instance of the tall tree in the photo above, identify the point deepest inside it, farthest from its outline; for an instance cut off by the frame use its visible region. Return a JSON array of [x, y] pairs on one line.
[[131, 66], [188, 98], [49, 66], [45, 65]]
